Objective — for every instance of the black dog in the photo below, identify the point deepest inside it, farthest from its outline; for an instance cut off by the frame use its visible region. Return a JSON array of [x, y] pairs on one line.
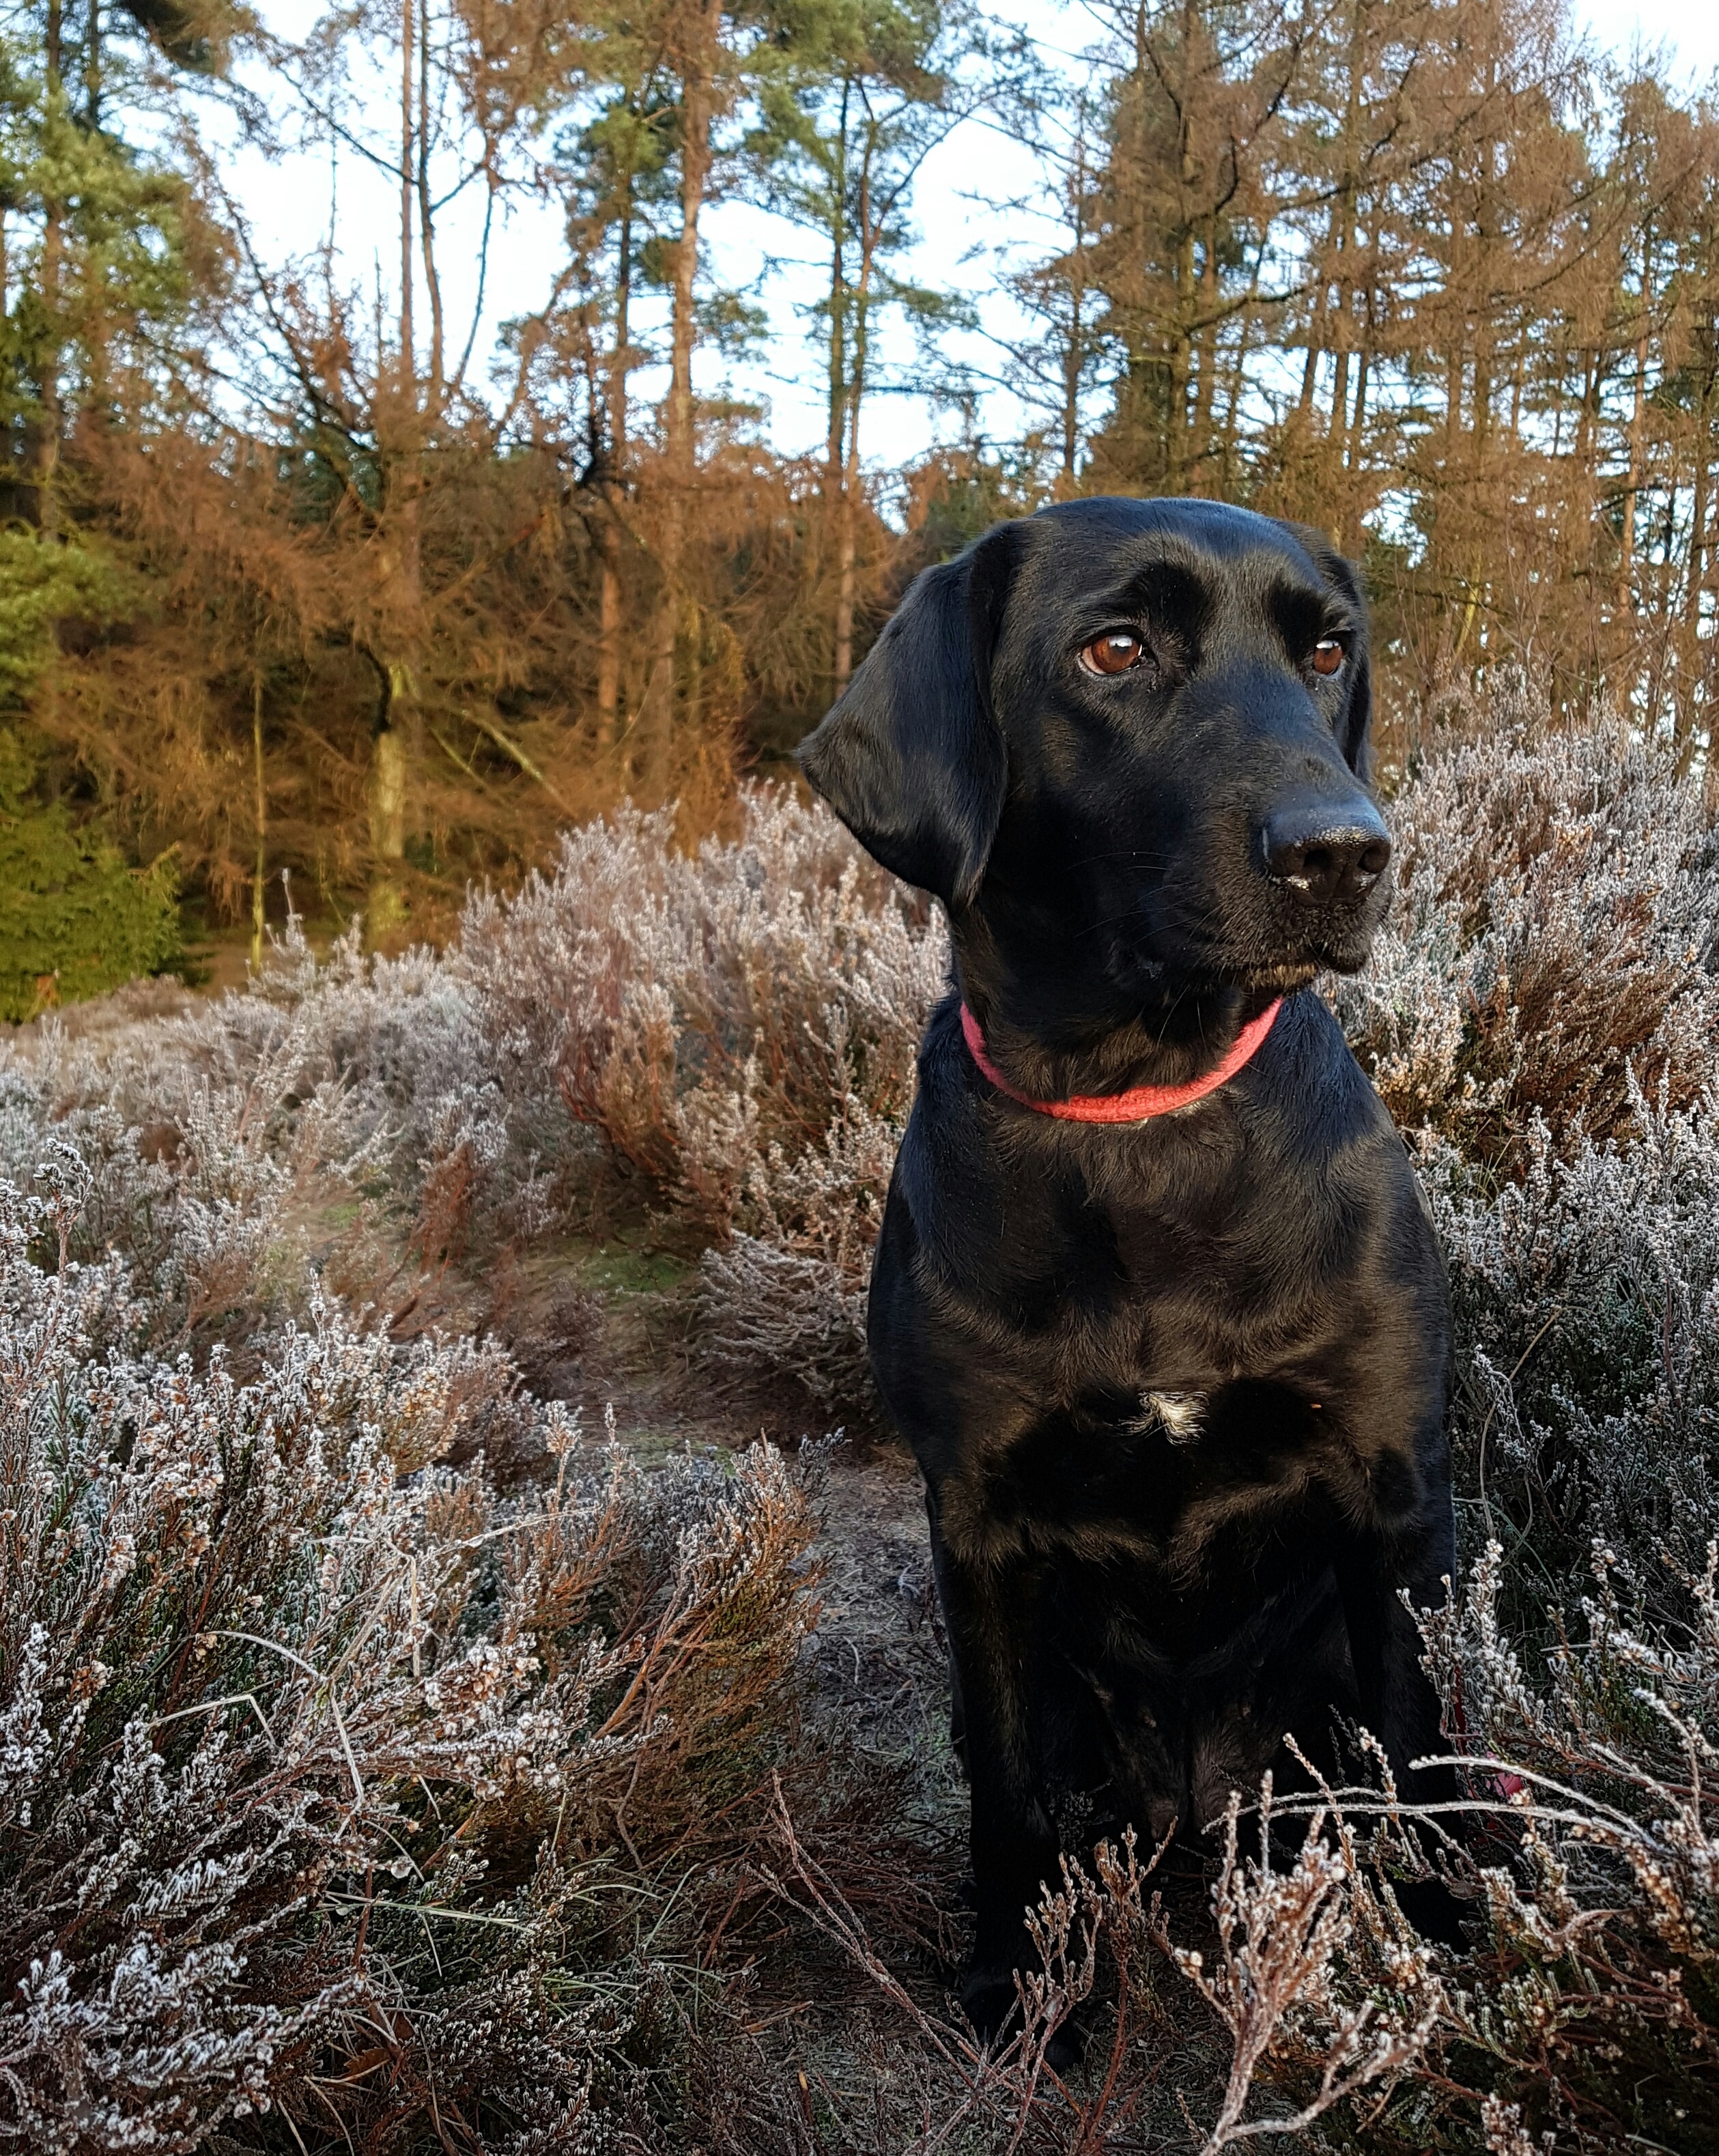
[[1176, 1384]]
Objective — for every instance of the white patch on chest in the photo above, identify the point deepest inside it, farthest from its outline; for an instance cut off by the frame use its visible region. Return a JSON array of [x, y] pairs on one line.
[[1178, 1414]]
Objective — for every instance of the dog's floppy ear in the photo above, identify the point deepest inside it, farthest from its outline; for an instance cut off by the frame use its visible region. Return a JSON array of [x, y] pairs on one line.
[[1354, 736], [911, 755]]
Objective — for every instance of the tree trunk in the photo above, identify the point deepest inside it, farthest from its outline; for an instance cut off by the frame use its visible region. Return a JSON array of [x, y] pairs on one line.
[[46, 427], [92, 66], [657, 713], [1586, 437], [847, 575], [1344, 211], [387, 796], [408, 20], [836, 427], [843, 412], [1227, 477], [261, 867], [1177, 417], [1072, 369], [1691, 685], [609, 616], [1632, 482], [608, 632], [1206, 387], [426, 216], [1074, 349], [385, 804], [1355, 453], [396, 751]]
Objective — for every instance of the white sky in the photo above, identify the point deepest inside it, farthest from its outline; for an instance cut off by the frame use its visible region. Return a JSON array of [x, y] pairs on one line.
[[287, 201]]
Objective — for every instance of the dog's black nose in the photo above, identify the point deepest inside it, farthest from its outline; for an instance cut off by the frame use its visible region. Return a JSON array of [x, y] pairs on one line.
[[1326, 855]]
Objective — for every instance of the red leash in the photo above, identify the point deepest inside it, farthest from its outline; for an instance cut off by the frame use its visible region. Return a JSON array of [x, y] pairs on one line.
[[1141, 1103]]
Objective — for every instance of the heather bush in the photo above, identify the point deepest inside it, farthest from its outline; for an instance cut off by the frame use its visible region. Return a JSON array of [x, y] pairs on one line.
[[1587, 1298], [289, 1708], [697, 1012], [1555, 939], [728, 1038], [1585, 2015], [740, 1028]]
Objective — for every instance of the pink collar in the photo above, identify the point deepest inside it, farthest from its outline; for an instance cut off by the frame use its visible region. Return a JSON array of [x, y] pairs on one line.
[[1141, 1102]]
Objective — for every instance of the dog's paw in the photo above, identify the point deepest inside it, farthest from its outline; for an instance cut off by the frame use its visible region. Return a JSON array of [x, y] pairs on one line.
[[991, 2004], [1434, 1911]]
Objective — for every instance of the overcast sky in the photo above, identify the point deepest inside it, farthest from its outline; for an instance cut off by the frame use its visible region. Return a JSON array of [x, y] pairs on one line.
[[288, 203]]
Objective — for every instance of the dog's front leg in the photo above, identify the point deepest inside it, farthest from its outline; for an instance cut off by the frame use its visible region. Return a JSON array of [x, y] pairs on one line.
[[1398, 1539], [990, 1613], [1404, 1543], [1396, 1701]]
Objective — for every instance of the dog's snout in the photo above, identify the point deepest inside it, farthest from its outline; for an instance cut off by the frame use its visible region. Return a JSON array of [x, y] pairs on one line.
[[1324, 857]]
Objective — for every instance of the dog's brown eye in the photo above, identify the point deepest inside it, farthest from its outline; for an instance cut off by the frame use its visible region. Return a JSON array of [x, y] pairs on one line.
[[1328, 656], [1114, 652]]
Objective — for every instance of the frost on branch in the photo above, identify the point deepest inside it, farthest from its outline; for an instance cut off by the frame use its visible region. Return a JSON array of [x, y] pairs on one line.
[[1275, 1982], [265, 1697]]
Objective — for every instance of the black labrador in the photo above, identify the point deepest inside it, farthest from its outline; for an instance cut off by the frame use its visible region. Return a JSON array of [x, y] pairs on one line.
[[1156, 1303]]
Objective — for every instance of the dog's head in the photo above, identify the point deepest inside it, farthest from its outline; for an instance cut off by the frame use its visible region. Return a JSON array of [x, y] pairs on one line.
[[1132, 732]]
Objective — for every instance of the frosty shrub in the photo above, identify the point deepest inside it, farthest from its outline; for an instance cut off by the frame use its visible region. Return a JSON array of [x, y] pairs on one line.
[[1586, 1297], [1591, 2008], [1585, 2016], [790, 1295], [1555, 934], [1277, 1995], [323, 1771], [741, 1028], [729, 1038], [225, 1138], [698, 1012]]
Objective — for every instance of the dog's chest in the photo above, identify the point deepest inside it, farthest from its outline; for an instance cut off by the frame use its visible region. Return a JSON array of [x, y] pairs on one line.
[[1180, 1416], [1179, 1309], [1180, 1485]]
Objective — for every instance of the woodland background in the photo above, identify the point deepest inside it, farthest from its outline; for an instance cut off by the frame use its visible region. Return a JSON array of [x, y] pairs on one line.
[[295, 576]]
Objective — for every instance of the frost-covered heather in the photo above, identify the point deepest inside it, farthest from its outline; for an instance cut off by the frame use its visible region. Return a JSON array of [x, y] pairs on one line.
[[291, 1690], [313, 1750], [730, 1037], [1555, 938], [740, 1029]]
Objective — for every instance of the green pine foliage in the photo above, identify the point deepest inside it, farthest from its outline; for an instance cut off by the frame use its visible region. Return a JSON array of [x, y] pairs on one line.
[[44, 581], [75, 919]]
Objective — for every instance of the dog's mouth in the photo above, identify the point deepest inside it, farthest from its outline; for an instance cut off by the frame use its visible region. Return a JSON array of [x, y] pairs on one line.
[[1281, 970], [1282, 980], [1283, 973], [1281, 977], [1177, 942]]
